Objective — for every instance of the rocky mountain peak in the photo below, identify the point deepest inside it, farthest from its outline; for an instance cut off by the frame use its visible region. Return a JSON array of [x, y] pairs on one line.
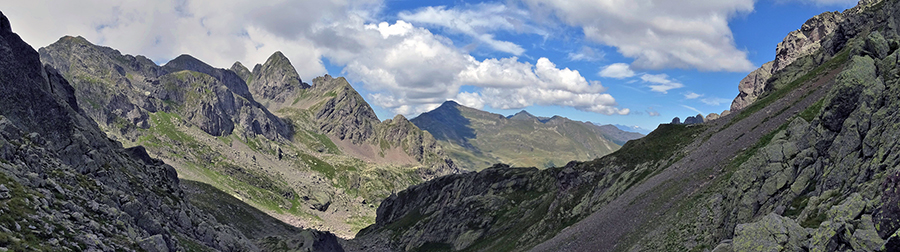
[[522, 115], [277, 58], [449, 104], [804, 41], [75, 40], [187, 62], [275, 81], [400, 119], [241, 71], [5, 28]]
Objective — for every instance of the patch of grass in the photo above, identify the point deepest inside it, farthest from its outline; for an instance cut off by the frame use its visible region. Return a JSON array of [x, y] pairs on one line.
[[660, 144], [191, 245], [747, 154], [17, 209], [330, 147], [405, 222], [797, 207], [814, 220], [812, 111], [360, 222], [434, 247], [162, 124], [318, 165], [227, 140]]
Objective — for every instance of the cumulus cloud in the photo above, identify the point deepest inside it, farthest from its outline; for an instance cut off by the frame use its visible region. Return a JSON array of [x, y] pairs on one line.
[[477, 22], [406, 68], [218, 32], [660, 83], [617, 71], [510, 84], [658, 34], [470, 99]]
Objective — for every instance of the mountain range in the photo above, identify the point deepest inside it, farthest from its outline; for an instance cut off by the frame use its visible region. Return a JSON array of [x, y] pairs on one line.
[[105, 151], [476, 139], [311, 155]]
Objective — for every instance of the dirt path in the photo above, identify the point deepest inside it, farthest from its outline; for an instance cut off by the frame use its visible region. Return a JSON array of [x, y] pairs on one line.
[[645, 203]]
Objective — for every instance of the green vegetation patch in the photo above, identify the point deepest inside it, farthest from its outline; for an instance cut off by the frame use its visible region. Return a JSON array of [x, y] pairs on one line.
[[660, 144], [318, 165], [19, 209], [434, 247]]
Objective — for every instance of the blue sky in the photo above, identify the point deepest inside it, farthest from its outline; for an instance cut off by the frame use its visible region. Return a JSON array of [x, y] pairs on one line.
[[756, 32], [639, 62]]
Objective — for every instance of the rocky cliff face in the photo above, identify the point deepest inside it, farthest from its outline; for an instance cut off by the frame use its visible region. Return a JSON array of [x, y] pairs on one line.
[[64, 184], [274, 83], [808, 39], [119, 91], [347, 116]]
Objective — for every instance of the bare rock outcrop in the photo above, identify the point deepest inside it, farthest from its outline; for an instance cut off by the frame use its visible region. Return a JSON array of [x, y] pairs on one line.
[[120, 91], [796, 44]]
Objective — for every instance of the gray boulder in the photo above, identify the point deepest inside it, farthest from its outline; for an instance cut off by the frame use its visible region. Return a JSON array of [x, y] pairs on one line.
[[772, 233]]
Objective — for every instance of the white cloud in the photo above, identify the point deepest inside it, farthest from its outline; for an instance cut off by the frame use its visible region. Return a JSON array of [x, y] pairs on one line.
[[660, 83], [617, 71], [472, 100], [511, 84], [692, 95], [407, 68], [692, 108], [714, 101], [652, 112], [586, 54], [658, 34], [477, 22], [218, 32]]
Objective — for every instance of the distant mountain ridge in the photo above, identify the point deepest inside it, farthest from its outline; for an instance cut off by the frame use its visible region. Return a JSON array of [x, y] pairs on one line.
[[618, 135], [477, 139]]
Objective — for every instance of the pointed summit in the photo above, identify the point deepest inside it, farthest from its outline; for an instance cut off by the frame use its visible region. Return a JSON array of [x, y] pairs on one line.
[[187, 62], [241, 71], [522, 116], [449, 103], [275, 81]]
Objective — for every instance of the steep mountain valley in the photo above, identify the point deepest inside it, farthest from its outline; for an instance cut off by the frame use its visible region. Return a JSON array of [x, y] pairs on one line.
[[105, 151]]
